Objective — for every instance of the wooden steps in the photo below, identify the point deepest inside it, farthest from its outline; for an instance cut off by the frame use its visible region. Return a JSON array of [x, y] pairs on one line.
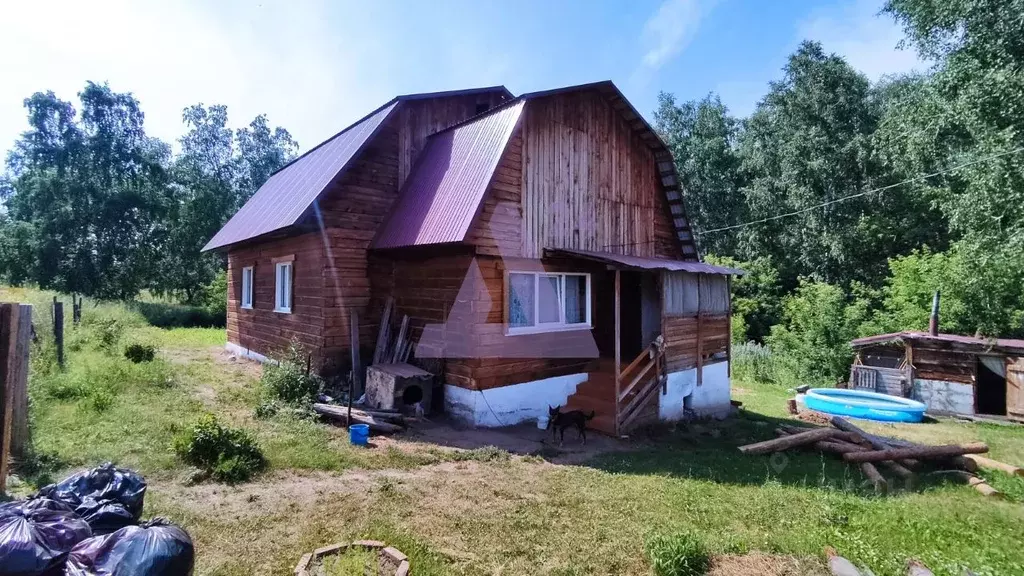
[[597, 394]]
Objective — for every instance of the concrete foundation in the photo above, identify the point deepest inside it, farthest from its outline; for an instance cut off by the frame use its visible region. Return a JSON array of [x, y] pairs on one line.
[[942, 396], [509, 405], [710, 399]]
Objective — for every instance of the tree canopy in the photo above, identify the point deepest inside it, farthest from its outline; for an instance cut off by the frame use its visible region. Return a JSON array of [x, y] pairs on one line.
[[96, 206]]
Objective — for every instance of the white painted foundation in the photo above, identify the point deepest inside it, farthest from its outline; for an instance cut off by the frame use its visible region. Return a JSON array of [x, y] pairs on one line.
[[247, 353], [711, 398], [512, 404], [943, 396]]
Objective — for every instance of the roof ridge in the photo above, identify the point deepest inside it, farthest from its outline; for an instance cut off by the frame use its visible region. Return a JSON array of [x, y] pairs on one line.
[[330, 138]]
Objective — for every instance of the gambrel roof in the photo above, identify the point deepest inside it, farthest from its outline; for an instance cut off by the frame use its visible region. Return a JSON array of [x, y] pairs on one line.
[[446, 187]]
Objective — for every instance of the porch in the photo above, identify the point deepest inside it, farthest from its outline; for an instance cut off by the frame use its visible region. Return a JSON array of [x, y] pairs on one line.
[[661, 316]]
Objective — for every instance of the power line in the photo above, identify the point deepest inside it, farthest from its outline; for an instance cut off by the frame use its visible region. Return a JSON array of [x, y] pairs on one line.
[[860, 194]]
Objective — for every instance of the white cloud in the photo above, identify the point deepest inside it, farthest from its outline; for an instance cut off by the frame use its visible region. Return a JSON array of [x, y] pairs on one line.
[[669, 30], [868, 40]]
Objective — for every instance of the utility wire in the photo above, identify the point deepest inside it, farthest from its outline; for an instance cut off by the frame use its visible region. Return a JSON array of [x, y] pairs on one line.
[[860, 194]]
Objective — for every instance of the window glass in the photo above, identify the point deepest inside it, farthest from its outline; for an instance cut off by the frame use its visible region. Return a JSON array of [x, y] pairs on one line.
[[247, 287], [520, 300], [549, 299], [575, 299], [284, 287]]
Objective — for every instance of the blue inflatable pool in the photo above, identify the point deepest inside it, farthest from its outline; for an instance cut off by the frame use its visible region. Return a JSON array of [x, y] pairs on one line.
[[867, 405]]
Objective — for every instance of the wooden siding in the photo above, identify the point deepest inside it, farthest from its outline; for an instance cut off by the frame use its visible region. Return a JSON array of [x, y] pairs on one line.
[[261, 329], [498, 230], [418, 119], [684, 335], [589, 182], [949, 366]]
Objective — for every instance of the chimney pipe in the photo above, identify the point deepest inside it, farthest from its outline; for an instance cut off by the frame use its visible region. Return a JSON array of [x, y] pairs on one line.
[[933, 322]]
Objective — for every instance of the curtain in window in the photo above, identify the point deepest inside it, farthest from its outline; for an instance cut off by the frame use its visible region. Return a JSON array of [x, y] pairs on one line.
[[520, 300], [575, 299], [549, 300]]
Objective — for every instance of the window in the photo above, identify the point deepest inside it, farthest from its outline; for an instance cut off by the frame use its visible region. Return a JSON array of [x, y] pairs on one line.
[[283, 287], [545, 302], [247, 287]]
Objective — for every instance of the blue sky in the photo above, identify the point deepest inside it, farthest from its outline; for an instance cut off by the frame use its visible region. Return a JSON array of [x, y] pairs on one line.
[[316, 65]]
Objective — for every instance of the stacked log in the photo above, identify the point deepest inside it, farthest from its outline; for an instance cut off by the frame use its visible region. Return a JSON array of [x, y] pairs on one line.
[[899, 457]]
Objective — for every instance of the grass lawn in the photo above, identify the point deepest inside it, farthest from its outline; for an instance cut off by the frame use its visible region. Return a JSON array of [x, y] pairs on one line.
[[483, 511]]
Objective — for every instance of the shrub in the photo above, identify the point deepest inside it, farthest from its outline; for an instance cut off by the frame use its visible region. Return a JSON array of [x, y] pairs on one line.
[[139, 353], [167, 315], [101, 399], [288, 381], [681, 554], [266, 409], [227, 454], [108, 332]]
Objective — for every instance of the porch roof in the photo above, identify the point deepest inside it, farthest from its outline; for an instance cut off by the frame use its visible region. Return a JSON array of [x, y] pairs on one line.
[[640, 263]]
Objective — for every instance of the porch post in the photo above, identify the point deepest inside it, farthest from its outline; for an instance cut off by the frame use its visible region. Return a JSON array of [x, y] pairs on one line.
[[618, 344]]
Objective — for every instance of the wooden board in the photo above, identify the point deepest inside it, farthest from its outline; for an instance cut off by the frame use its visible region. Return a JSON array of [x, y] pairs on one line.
[[1015, 386]]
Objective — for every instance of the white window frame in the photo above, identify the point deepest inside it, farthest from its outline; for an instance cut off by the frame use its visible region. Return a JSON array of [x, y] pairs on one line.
[[560, 325], [248, 275], [283, 296]]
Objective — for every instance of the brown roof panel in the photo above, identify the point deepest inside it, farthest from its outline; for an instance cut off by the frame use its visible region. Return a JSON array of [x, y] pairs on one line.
[[972, 342], [640, 263], [443, 193], [286, 195]]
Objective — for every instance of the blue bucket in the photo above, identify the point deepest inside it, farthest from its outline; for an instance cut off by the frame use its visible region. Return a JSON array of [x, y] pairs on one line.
[[359, 434]]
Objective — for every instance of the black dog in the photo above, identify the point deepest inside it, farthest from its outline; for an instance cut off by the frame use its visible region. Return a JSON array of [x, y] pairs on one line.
[[558, 421]]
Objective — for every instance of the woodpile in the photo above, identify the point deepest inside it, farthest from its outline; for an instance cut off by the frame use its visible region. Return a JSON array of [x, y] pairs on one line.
[[380, 421], [898, 457]]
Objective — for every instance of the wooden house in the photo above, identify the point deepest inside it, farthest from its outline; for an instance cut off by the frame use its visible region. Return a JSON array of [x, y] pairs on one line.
[[538, 244], [950, 373]]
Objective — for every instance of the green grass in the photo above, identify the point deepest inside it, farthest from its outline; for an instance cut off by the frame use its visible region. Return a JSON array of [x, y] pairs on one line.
[[665, 501]]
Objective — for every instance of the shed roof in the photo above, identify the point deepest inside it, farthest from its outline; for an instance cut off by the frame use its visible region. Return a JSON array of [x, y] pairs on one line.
[[444, 191], [951, 341], [290, 191], [640, 263]]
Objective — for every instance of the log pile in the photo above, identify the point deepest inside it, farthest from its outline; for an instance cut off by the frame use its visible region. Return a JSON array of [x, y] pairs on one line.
[[380, 421], [898, 457]]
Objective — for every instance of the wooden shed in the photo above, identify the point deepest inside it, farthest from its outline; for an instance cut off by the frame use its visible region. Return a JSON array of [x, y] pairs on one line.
[[950, 373], [538, 245]]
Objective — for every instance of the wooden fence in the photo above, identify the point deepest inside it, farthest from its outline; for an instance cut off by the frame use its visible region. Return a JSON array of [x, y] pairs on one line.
[[15, 340]]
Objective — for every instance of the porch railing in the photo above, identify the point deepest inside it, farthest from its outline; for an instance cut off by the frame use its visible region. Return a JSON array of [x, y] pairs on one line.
[[637, 384]]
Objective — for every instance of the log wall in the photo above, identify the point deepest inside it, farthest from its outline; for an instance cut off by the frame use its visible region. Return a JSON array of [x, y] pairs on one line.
[[261, 329]]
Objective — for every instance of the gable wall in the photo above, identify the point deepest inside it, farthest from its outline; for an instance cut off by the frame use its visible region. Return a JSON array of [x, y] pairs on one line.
[[418, 119], [589, 182]]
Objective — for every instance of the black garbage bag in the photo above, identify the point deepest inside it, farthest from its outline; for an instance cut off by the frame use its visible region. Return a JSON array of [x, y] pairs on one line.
[[37, 535], [155, 548], [107, 497]]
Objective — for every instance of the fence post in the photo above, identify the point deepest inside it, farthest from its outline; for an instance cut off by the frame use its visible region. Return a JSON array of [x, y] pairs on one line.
[[20, 435], [58, 330], [14, 345]]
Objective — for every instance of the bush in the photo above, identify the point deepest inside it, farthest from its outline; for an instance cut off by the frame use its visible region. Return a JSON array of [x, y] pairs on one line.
[[139, 353], [813, 341], [681, 554], [166, 315], [288, 381], [266, 409], [753, 362], [108, 332], [227, 454]]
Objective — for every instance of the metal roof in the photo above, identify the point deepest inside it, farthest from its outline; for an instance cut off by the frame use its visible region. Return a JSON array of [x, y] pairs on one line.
[[445, 189], [282, 200], [639, 263], [973, 342], [286, 195]]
